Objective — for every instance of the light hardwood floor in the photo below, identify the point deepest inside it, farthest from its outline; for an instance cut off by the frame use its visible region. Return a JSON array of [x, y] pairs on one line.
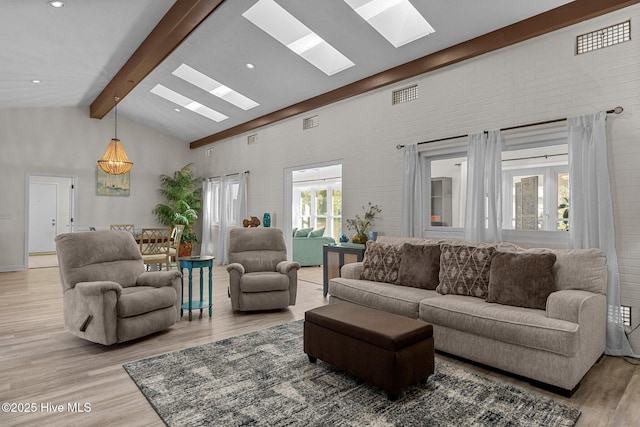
[[41, 363]]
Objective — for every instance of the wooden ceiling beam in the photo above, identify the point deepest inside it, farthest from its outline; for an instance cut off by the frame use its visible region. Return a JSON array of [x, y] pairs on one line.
[[560, 17], [174, 27]]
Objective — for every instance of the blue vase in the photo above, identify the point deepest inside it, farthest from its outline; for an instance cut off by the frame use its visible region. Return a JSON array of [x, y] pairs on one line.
[[266, 220]]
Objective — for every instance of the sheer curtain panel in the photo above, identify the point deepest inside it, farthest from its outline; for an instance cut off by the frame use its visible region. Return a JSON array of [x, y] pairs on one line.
[[411, 224], [207, 216], [483, 218], [591, 213]]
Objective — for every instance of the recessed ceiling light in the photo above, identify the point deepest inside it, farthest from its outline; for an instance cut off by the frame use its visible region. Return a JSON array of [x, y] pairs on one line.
[[398, 21], [36, 81], [188, 103], [215, 88], [177, 110], [56, 4], [251, 66], [274, 20]]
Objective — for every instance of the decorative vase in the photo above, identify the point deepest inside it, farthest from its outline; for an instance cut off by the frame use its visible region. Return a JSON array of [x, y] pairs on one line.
[[343, 238], [266, 220], [360, 238], [185, 249]]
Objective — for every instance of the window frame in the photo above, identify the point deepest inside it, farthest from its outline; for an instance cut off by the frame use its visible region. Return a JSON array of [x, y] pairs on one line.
[[512, 141]]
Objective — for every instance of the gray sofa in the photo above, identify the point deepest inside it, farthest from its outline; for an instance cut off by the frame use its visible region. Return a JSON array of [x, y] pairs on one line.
[[555, 344]]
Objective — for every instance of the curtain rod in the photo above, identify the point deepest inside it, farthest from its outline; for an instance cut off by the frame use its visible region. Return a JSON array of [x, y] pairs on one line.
[[230, 174], [617, 110]]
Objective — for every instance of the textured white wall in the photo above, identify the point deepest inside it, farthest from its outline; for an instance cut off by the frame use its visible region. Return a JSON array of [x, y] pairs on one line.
[[535, 80], [65, 141]]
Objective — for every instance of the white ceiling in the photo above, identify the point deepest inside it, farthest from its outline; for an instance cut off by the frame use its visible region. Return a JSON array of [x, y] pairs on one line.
[[76, 50]]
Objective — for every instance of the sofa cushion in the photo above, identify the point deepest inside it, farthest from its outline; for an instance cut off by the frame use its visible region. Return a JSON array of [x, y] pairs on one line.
[[317, 233], [526, 327], [136, 300], [464, 269], [264, 281], [302, 232], [577, 269], [382, 296], [521, 279], [419, 266], [381, 263]]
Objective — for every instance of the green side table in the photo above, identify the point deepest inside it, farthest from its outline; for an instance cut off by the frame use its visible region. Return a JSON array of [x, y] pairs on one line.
[[190, 263]]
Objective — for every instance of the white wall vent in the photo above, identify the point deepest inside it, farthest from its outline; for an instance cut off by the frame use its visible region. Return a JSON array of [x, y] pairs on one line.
[[405, 94], [310, 122], [252, 139], [603, 37]]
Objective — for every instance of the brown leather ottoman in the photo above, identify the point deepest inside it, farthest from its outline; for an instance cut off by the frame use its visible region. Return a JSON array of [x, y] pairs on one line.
[[383, 349]]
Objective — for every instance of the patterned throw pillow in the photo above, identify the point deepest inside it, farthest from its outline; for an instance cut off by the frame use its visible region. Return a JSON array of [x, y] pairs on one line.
[[464, 269], [380, 263]]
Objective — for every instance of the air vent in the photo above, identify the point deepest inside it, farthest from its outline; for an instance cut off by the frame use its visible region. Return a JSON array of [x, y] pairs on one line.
[[604, 37], [252, 139], [403, 95], [310, 122], [626, 315]]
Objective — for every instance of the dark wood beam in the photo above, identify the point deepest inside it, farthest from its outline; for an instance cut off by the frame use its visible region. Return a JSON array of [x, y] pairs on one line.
[[174, 27], [563, 16]]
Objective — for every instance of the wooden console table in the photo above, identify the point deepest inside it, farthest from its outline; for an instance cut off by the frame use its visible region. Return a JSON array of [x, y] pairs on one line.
[[334, 256]]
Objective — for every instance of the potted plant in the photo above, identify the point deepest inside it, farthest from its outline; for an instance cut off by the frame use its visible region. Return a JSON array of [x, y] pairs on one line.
[[361, 224], [182, 192]]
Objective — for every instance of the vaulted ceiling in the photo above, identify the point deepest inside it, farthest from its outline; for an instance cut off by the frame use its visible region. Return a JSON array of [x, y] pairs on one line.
[[90, 51]]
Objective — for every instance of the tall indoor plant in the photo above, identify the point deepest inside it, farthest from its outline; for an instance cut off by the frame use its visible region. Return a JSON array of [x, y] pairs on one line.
[[183, 194]]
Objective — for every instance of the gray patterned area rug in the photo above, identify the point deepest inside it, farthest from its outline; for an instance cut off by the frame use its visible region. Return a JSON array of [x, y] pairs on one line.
[[265, 379]]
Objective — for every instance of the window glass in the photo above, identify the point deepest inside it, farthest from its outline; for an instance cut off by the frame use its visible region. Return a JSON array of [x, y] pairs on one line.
[[563, 201], [535, 183], [447, 192]]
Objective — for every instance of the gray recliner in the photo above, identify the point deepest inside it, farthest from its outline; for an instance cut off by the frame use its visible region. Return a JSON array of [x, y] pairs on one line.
[[108, 296], [260, 277]]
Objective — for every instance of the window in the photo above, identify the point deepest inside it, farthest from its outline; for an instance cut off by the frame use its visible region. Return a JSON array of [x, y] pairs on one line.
[[447, 191], [535, 189], [318, 205], [535, 186]]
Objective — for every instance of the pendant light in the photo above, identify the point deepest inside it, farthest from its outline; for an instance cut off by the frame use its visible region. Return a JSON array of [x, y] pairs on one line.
[[114, 161]]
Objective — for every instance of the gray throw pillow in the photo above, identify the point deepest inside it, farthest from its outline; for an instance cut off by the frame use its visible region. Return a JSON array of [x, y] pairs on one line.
[[521, 279], [419, 266]]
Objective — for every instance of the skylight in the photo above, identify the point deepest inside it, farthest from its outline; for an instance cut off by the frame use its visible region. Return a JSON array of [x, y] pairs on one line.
[[288, 30], [205, 82], [187, 103], [398, 21]]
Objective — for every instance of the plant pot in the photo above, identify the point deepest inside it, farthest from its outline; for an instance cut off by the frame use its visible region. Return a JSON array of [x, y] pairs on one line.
[[185, 249], [360, 238]]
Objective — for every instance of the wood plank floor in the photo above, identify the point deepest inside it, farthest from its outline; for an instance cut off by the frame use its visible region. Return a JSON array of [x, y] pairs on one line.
[[40, 363]]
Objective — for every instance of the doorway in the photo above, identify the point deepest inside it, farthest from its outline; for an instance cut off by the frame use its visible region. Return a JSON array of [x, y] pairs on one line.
[[313, 198], [50, 207]]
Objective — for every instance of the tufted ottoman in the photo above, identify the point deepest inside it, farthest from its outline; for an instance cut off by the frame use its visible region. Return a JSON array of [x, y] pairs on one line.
[[383, 349]]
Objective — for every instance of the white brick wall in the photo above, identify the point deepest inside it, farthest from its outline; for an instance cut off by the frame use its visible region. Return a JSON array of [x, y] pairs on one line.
[[535, 80]]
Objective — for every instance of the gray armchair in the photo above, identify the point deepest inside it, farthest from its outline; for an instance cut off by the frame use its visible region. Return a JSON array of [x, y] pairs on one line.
[[108, 296], [260, 277]]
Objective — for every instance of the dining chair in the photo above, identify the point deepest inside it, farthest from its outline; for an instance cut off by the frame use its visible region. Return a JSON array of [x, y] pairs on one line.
[[123, 227], [176, 236], [154, 247]]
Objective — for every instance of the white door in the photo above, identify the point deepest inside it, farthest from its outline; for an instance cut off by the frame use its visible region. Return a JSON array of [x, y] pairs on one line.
[[43, 217]]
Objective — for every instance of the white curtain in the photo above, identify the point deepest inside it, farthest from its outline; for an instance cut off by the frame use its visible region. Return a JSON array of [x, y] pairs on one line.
[[410, 222], [483, 218], [232, 212], [207, 215], [591, 213]]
